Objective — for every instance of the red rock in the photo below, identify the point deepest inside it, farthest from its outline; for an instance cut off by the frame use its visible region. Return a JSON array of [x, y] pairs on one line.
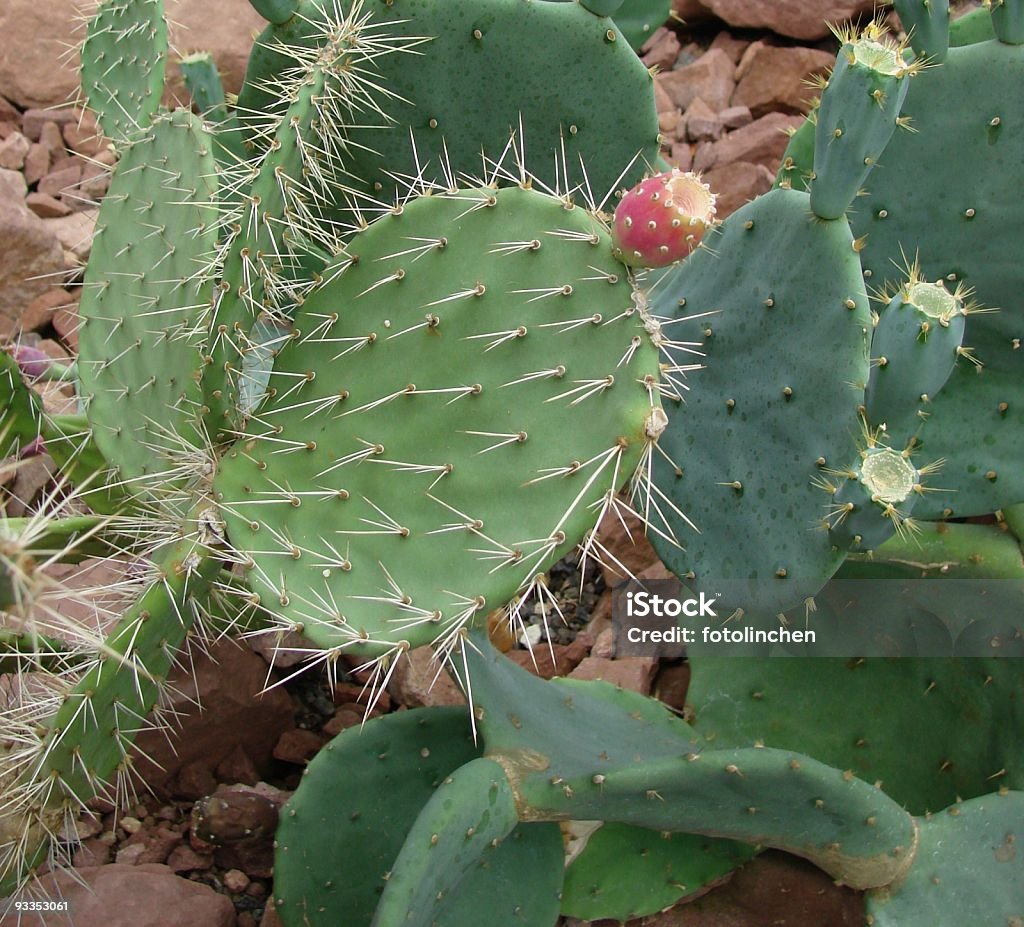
[[627, 550], [194, 780], [566, 658], [342, 720], [46, 207], [59, 181], [51, 137], [39, 312], [236, 881], [702, 122], [238, 766], [635, 673], [800, 19], [772, 79], [738, 183], [690, 11], [661, 49], [672, 684], [31, 252], [13, 151], [417, 682], [37, 163], [66, 322], [710, 77], [236, 712], [84, 137], [130, 896], [761, 142], [91, 852], [158, 844], [35, 119], [662, 101], [270, 918], [736, 117], [681, 156], [346, 692], [773, 889], [184, 859], [9, 113], [731, 45], [298, 746]]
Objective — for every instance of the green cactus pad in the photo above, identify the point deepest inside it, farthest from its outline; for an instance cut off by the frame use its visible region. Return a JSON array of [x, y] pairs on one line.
[[1008, 20], [123, 63], [482, 73], [570, 753], [969, 869], [914, 348], [142, 309], [625, 872], [20, 410], [424, 454], [638, 20], [973, 27], [961, 229], [341, 831], [928, 730], [856, 118], [926, 23], [774, 410], [472, 810]]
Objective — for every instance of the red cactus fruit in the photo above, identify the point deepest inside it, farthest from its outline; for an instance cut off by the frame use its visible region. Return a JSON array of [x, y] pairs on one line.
[[662, 219]]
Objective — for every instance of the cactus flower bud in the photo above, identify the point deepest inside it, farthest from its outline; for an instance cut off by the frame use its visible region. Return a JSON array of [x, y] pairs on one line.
[[662, 219]]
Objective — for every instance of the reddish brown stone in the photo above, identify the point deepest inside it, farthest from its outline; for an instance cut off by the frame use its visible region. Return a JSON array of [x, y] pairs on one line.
[[37, 163], [417, 681], [635, 673], [298, 746], [738, 183], [661, 49], [772, 79], [761, 142], [39, 312], [566, 658], [672, 684], [710, 77], [46, 207], [59, 181]]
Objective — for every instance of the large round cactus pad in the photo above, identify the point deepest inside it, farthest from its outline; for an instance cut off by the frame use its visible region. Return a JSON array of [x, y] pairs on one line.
[[455, 405]]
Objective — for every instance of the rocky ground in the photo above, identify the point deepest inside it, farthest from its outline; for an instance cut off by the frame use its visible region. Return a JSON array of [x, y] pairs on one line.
[[197, 848]]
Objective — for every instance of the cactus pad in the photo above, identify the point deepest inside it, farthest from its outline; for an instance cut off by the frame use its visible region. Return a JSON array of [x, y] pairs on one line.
[[423, 455]]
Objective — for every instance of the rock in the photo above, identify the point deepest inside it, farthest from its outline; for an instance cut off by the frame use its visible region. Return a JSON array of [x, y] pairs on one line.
[[736, 117], [738, 183], [37, 163], [75, 232], [691, 11], [761, 142], [772, 79], [731, 45], [61, 180], [297, 746], [130, 896], [635, 673], [185, 859], [34, 72], [13, 151], [661, 49], [566, 658], [342, 720], [672, 684], [775, 888], [662, 101], [702, 122], [65, 321], [236, 881], [35, 122], [413, 683], [229, 684], [281, 648], [626, 548], [238, 766], [52, 138], [681, 156], [31, 251], [710, 77], [800, 19], [46, 207], [84, 137], [39, 312]]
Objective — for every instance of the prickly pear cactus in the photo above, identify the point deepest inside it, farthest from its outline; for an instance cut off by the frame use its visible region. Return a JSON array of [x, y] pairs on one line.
[[409, 471]]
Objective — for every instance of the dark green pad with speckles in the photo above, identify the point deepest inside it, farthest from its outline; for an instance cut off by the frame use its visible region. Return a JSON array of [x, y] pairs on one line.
[[786, 336], [949, 194]]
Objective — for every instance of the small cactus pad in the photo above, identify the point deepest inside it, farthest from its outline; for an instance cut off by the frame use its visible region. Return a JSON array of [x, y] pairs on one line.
[[916, 343], [773, 409], [969, 869], [123, 63], [857, 116], [662, 219], [469, 383], [624, 872], [926, 23], [961, 227], [341, 831], [140, 359]]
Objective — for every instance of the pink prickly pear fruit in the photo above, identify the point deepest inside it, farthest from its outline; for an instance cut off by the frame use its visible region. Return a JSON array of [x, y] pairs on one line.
[[662, 219]]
